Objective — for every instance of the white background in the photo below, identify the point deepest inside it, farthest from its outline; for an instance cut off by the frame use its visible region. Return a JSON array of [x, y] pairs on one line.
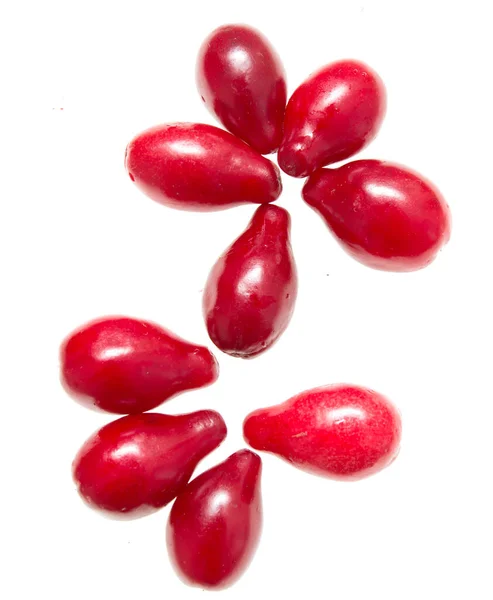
[[79, 241]]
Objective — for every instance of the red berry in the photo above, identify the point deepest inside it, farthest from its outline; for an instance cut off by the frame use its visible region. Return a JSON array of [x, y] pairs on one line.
[[126, 366], [200, 167], [332, 115], [384, 215], [251, 291], [139, 463], [242, 82], [215, 523], [338, 431]]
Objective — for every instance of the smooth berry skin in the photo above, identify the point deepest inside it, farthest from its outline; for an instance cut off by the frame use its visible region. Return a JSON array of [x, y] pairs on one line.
[[127, 366], [385, 215], [251, 291], [215, 523], [335, 113], [242, 81], [139, 463], [197, 167], [338, 431]]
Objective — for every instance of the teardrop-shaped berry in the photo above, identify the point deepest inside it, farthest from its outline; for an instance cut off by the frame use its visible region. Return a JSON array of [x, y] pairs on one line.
[[215, 523], [251, 291], [192, 166], [385, 215], [125, 366], [242, 81], [335, 113], [139, 463], [339, 431]]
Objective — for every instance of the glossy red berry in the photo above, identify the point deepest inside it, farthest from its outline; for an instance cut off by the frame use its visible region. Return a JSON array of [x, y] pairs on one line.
[[125, 365], [338, 431], [385, 215], [251, 291], [242, 82], [200, 167], [215, 523], [139, 463], [332, 115]]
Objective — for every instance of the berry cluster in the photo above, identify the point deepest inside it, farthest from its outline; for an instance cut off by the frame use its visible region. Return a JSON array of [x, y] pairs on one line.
[[385, 215]]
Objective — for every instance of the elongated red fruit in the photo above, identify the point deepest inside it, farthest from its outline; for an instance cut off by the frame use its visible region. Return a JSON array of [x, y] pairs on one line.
[[215, 523], [339, 431], [242, 82], [139, 463], [251, 291], [385, 215], [125, 365], [200, 167], [335, 113]]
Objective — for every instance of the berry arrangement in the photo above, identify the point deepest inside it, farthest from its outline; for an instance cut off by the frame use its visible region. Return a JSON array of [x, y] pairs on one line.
[[383, 214]]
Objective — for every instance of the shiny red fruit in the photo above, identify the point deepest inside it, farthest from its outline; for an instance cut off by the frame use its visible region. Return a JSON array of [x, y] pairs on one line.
[[385, 215], [338, 431], [200, 167], [242, 82], [251, 291], [139, 463], [332, 115], [215, 523], [126, 366]]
